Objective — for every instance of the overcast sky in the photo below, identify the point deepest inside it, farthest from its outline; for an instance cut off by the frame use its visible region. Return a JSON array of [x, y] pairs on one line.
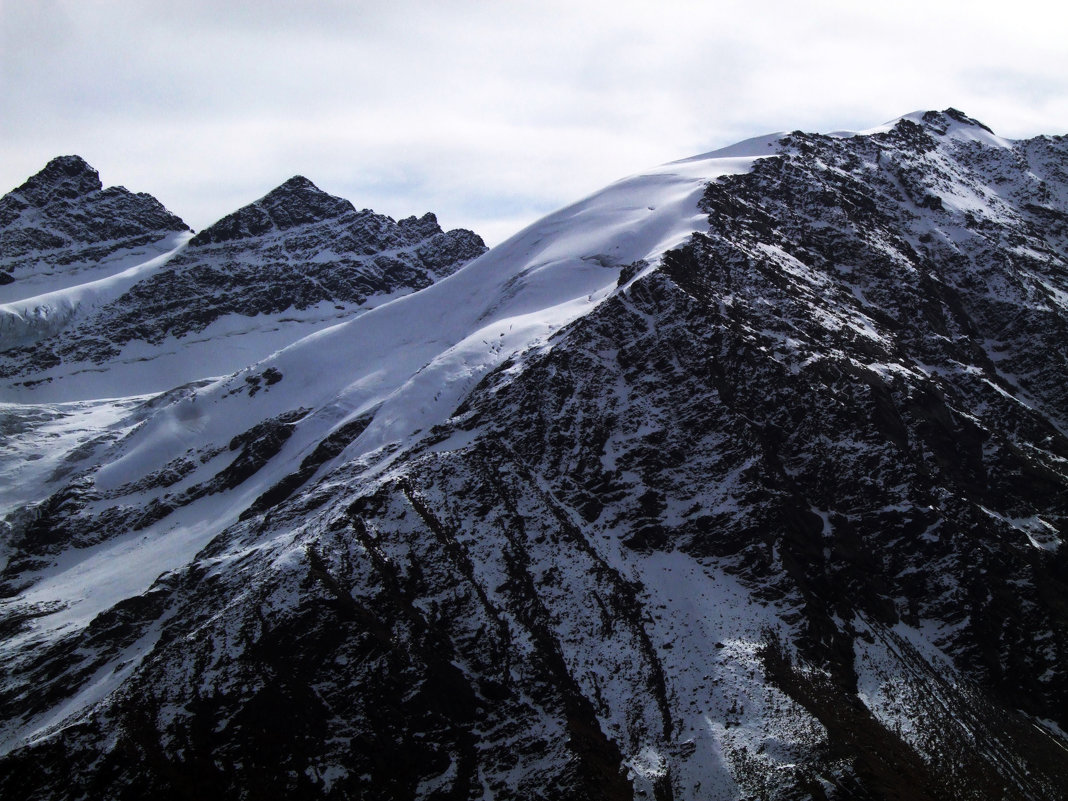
[[489, 114]]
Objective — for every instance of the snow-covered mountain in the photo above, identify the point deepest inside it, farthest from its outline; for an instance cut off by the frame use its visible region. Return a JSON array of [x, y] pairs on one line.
[[746, 477], [294, 262], [62, 228]]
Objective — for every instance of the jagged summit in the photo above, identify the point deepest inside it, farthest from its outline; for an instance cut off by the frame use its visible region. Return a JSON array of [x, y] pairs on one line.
[[300, 204], [421, 227], [952, 115], [297, 183], [65, 177], [939, 121], [62, 220], [295, 202], [297, 253], [950, 122], [67, 182]]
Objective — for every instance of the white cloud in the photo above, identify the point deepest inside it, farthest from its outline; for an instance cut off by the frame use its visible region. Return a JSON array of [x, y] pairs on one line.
[[488, 114]]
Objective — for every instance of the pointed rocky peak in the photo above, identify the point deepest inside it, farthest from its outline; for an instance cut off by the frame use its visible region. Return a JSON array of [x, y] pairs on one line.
[[65, 204], [297, 191], [71, 173], [925, 129], [65, 177], [296, 202], [296, 184]]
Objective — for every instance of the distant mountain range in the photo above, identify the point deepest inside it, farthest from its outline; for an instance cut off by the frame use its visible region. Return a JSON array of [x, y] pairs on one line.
[[743, 478], [145, 305]]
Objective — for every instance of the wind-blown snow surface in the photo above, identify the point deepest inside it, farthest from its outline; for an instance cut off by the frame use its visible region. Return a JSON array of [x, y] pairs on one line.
[[723, 482], [410, 361], [414, 359], [24, 320]]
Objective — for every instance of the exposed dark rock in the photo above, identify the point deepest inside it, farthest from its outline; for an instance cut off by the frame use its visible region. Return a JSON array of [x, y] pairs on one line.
[[63, 217], [781, 518], [293, 249]]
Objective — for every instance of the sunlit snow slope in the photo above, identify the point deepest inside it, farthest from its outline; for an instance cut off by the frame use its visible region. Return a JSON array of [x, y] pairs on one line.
[[410, 361]]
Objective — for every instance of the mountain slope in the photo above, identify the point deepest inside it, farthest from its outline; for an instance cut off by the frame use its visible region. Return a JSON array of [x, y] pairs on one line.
[[62, 223], [293, 262], [743, 478]]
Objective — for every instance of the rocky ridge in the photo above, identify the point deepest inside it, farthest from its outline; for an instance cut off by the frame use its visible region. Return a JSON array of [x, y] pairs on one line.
[[296, 259], [62, 222], [777, 514]]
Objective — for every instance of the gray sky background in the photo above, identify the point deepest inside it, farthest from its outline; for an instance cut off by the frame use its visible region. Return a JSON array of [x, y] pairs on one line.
[[489, 114]]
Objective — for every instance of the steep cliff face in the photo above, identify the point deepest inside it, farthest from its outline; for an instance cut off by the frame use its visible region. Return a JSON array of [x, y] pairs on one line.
[[745, 478]]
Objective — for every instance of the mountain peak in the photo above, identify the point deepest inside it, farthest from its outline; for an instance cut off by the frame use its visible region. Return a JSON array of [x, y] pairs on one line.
[[295, 190], [65, 204], [65, 177], [298, 183], [296, 201], [951, 122], [951, 118], [71, 166]]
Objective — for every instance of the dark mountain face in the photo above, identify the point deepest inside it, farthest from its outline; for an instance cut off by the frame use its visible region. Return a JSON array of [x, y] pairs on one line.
[[851, 394], [62, 219], [779, 515], [297, 256], [63, 178], [296, 202]]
